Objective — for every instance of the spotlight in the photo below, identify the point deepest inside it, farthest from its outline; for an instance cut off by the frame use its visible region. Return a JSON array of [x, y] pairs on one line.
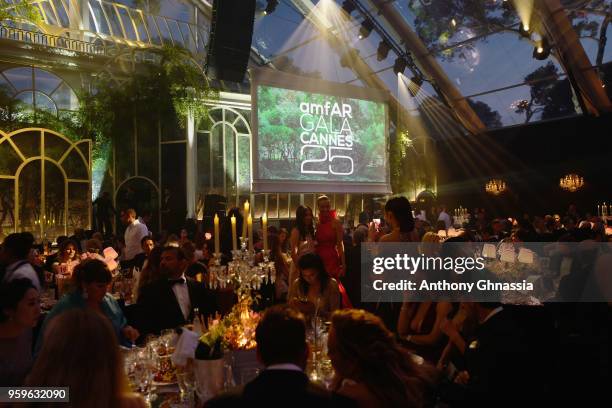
[[524, 30], [348, 6], [383, 51], [366, 28], [271, 6], [415, 86], [400, 65], [542, 50]]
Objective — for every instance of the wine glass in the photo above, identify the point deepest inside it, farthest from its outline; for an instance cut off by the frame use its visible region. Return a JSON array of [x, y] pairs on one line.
[[187, 383], [144, 370]]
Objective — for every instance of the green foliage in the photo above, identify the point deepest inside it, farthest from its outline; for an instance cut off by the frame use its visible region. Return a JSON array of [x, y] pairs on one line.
[[162, 91], [23, 10]]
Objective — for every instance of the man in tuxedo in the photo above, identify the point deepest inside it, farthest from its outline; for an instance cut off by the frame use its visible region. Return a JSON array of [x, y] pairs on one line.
[[502, 369], [282, 349], [170, 301]]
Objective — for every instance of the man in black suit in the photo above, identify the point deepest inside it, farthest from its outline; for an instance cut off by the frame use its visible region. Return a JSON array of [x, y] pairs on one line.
[[169, 302], [502, 370], [282, 348]]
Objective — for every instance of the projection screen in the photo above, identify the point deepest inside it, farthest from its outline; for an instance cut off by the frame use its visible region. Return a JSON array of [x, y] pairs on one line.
[[316, 136]]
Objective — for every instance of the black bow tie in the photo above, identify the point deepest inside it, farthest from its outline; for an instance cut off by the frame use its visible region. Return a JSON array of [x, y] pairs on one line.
[[175, 281]]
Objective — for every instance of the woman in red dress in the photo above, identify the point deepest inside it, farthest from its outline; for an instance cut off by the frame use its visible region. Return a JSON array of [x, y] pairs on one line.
[[330, 246]]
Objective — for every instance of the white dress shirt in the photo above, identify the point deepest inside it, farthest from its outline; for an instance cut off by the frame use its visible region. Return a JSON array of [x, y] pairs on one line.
[[22, 269], [133, 234], [446, 218], [181, 291]]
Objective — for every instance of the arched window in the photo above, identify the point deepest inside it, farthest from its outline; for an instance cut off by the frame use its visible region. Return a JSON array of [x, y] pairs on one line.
[[38, 89]]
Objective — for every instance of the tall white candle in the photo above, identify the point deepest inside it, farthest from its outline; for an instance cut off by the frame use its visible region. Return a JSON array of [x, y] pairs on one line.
[[234, 243], [217, 246], [264, 227]]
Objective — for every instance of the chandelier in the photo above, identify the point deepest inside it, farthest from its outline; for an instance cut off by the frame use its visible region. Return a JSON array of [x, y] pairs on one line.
[[571, 182], [495, 186]]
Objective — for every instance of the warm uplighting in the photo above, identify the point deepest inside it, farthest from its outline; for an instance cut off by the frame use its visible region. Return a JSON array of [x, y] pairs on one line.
[[571, 182], [495, 186]]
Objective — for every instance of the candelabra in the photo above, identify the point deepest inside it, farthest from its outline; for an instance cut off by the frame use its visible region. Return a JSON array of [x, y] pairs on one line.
[[243, 272]]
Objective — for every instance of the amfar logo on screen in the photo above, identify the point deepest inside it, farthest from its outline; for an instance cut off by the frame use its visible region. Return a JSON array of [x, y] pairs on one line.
[[326, 130]]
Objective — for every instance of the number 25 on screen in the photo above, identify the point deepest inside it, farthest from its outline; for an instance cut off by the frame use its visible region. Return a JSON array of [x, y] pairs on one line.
[[327, 158]]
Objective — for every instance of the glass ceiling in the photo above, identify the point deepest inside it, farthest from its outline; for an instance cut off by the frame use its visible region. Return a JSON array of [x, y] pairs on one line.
[[479, 46], [477, 43]]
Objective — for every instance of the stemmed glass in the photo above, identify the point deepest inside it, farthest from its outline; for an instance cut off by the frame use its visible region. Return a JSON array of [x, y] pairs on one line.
[[144, 370], [187, 384]]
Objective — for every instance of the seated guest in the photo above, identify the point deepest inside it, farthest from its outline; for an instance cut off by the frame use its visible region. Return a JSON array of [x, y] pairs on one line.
[[195, 269], [282, 349], [314, 292], [14, 255], [281, 284], [81, 352], [67, 258], [371, 367], [497, 360], [169, 302], [19, 313], [91, 279], [151, 270], [147, 244]]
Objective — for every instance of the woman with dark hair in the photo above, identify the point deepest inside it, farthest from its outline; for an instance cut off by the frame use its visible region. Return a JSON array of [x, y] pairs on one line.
[[91, 279], [302, 239], [19, 313], [151, 271], [281, 284], [371, 367], [283, 238], [314, 292], [67, 258], [398, 215], [81, 352]]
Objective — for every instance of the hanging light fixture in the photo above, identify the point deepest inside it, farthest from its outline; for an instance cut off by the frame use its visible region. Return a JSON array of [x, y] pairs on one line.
[[399, 66], [571, 182], [366, 28], [495, 186], [383, 51]]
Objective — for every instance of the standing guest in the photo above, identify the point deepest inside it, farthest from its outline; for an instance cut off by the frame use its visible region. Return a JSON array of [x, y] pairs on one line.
[[352, 278], [14, 256], [19, 313], [147, 244], [170, 302], [398, 216], [329, 235], [314, 292], [91, 279], [330, 244], [134, 233], [444, 216], [81, 352], [104, 212], [371, 367], [283, 382], [302, 239], [67, 258]]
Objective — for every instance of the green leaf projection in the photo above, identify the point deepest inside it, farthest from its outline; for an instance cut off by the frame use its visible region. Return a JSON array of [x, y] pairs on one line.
[[305, 136]]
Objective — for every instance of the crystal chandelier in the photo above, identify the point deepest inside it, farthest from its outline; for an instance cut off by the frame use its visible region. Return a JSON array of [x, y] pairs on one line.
[[495, 186], [571, 182]]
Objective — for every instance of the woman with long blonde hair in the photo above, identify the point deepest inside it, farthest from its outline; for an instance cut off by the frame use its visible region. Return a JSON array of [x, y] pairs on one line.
[[371, 367], [81, 352]]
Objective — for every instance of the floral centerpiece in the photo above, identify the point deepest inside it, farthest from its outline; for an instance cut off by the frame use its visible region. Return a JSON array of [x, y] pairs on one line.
[[235, 331]]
